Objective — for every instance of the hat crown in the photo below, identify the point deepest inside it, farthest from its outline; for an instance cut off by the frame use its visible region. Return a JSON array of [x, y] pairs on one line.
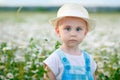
[[74, 10]]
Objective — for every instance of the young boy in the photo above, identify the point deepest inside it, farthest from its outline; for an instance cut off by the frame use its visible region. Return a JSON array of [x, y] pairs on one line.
[[69, 62]]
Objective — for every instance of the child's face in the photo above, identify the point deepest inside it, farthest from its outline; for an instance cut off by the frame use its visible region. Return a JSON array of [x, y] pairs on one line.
[[71, 31]]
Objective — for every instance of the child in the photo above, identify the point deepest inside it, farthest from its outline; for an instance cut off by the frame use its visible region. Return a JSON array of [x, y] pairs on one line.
[[69, 62]]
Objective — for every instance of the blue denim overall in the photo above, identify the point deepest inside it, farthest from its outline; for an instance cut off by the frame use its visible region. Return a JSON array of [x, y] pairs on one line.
[[74, 72]]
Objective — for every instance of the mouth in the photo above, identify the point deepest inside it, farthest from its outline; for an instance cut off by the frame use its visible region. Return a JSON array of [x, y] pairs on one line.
[[72, 40]]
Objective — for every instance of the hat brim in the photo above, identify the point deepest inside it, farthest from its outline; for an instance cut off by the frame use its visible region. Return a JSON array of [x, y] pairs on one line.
[[90, 22]]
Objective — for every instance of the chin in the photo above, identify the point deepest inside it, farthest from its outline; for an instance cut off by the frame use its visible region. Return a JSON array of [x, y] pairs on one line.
[[72, 45]]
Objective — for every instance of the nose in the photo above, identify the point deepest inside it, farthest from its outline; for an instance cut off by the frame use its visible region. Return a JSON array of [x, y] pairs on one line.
[[73, 33]]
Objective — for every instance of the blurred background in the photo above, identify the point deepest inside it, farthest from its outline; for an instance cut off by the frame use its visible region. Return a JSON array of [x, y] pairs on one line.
[[27, 38], [22, 19]]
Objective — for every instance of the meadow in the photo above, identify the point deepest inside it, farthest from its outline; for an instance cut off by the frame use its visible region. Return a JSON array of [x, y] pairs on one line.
[[26, 39]]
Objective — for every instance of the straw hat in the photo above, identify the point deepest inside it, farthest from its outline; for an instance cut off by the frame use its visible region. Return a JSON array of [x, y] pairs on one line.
[[73, 10]]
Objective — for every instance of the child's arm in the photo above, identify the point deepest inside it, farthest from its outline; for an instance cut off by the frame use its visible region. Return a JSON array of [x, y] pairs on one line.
[[49, 75], [94, 77]]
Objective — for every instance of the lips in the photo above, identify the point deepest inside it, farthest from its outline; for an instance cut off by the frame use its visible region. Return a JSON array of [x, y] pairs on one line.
[[72, 40]]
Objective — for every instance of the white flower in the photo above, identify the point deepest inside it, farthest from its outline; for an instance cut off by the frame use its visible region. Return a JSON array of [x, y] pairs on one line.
[[34, 71], [29, 63], [100, 64], [10, 76], [23, 45], [19, 58], [2, 77], [6, 48], [2, 67], [37, 62], [106, 73], [28, 66], [33, 56], [109, 44], [3, 59]]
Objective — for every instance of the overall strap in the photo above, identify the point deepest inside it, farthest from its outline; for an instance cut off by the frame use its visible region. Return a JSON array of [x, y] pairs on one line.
[[87, 65], [63, 59]]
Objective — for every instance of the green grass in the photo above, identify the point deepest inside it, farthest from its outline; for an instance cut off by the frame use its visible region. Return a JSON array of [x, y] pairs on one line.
[[18, 17], [103, 43]]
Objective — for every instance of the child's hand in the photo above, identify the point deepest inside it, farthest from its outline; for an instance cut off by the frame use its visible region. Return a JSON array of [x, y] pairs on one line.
[[49, 74]]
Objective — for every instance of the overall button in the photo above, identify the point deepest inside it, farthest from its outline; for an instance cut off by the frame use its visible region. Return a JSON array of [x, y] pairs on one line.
[[87, 61], [88, 68], [64, 59], [67, 67]]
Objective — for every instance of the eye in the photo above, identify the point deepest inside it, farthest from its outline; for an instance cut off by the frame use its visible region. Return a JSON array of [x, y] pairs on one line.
[[68, 28], [78, 29]]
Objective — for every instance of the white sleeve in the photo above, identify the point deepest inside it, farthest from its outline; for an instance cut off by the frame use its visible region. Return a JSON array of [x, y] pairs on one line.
[[53, 63], [93, 64]]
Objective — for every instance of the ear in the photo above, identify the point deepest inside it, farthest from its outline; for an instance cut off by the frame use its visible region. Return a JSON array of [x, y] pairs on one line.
[[86, 32], [57, 31]]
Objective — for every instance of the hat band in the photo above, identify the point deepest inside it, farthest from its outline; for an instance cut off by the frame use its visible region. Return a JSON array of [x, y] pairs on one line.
[[75, 14]]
